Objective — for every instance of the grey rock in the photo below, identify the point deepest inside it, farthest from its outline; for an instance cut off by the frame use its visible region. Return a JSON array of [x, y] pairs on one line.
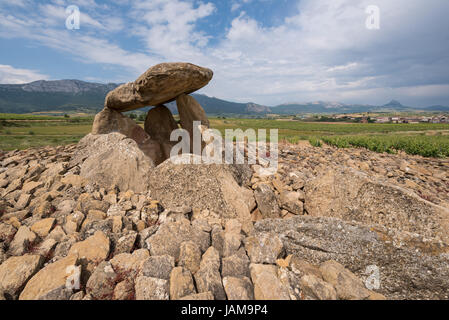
[[266, 201], [264, 248], [151, 289], [410, 266], [158, 267]]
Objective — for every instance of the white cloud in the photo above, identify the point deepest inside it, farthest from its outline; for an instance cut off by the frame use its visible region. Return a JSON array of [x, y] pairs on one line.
[[168, 27], [11, 75], [321, 51]]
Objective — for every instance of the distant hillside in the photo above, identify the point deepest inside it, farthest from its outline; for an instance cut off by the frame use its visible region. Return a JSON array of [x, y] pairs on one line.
[[61, 95], [76, 95], [321, 107], [71, 95]]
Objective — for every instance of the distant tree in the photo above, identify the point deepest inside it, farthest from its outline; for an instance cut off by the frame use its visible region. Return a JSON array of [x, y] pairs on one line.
[[133, 116], [141, 117], [66, 116]]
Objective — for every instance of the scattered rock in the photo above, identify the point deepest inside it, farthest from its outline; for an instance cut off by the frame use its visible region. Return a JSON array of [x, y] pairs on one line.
[[158, 267], [316, 288], [181, 283], [168, 239], [23, 241], [208, 277], [264, 248], [352, 195], [102, 282], [151, 289], [267, 285], [190, 256], [266, 201], [291, 202], [43, 227], [347, 285], [92, 251], [16, 271], [51, 281], [238, 288]]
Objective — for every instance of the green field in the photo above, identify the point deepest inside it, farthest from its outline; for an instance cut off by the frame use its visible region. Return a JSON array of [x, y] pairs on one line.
[[430, 140]]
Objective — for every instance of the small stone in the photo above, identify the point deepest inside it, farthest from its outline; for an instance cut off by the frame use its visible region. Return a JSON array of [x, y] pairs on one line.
[[181, 283], [51, 281], [102, 281], [7, 233], [302, 267], [347, 285], [267, 285], [126, 243], [158, 267], [235, 265], [74, 181], [208, 279], [22, 242], [43, 227], [264, 248], [16, 271], [130, 265], [190, 256], [148, 288], [227, 243], [30, 187], [315, 287], [238, 288], [23, 201], [45, 248], [92, 251], [44, 209], [291, 202], [124, 290], [266, 201]]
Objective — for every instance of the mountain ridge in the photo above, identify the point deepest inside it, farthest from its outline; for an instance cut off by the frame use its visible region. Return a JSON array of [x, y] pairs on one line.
[[71, 94]]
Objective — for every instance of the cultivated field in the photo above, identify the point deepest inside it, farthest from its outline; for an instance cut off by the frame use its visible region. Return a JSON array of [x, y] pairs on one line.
[[430, 140]]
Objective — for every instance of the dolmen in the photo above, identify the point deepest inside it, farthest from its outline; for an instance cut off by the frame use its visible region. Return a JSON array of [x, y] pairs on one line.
[[159, 85]]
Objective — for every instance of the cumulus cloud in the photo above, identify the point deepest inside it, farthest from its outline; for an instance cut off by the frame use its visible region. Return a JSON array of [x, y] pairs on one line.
[[9, 74], [321, 51]]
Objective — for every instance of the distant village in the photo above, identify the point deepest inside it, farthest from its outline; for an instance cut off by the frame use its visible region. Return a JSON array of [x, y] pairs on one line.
[[363, 118]]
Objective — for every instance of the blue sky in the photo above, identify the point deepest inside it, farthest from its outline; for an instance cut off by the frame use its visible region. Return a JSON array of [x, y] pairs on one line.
[[264, 51]]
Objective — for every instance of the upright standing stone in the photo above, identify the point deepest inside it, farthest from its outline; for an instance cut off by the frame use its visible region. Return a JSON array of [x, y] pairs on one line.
[[159, 125], [189, 111]]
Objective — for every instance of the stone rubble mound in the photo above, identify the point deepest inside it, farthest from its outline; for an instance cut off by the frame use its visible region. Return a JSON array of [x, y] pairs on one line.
[[216, 232]]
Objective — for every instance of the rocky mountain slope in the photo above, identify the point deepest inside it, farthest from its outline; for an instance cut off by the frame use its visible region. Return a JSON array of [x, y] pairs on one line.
[[70, 95], [316, 229]]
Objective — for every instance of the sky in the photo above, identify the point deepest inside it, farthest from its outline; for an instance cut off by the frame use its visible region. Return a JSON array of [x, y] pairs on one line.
[[263, 51]]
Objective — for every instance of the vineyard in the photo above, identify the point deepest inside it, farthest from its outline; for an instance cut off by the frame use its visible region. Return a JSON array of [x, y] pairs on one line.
[[425, 139], [427, 146]]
